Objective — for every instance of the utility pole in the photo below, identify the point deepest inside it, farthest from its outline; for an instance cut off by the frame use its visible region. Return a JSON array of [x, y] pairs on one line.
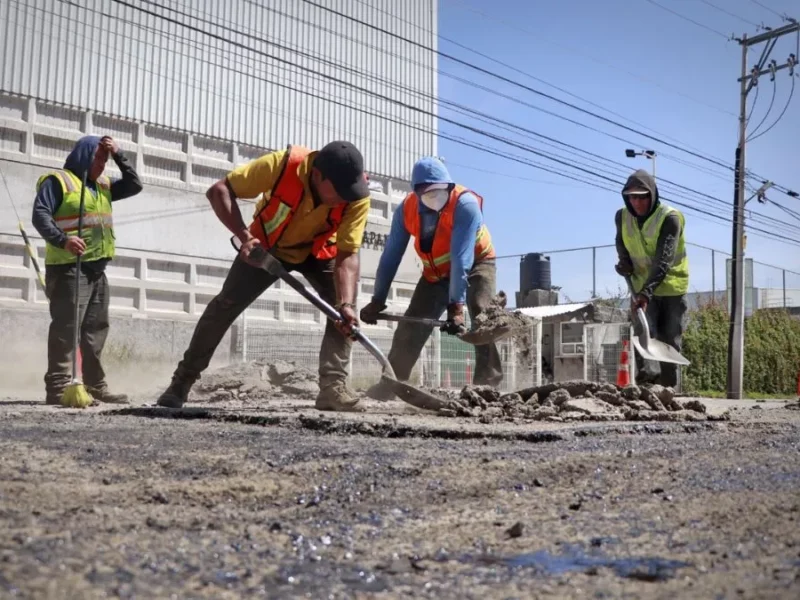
[[735, 381]]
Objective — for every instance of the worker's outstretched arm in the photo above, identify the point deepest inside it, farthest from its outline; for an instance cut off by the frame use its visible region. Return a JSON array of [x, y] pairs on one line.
[[392, 256], [223, 201], [466, 223], [666, 248]]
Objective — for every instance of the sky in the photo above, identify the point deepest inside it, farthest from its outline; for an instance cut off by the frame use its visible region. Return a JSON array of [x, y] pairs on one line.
[[661, 75]]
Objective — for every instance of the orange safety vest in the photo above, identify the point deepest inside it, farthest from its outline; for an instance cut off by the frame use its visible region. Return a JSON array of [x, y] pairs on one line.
[[284, 200], [436, 263]]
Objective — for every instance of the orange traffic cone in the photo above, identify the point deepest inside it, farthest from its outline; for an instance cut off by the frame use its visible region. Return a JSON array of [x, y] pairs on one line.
[[624, 371], [469, 372]]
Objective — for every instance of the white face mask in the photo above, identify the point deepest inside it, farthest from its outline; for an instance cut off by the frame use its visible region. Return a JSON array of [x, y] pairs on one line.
[[435, 199]]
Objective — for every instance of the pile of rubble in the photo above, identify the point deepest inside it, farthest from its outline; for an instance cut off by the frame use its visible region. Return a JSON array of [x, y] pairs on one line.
[[255, 381], [573, 401]]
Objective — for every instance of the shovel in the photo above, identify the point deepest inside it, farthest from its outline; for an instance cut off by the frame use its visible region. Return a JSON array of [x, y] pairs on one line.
[[406, 392], [649, 348], [476, 338]]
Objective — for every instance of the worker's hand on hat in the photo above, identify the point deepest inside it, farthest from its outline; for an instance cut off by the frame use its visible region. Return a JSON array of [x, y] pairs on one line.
[[369, 314], [639, 301], [348, 321], [455, 324], [75, 245], [109, 145], [624, 268]]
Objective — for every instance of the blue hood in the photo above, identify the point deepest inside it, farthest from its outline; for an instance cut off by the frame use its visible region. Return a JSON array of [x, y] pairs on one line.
[[430, 170], [82, 155]]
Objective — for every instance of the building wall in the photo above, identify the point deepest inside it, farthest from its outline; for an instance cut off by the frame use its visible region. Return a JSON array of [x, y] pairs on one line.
[[254, 73]]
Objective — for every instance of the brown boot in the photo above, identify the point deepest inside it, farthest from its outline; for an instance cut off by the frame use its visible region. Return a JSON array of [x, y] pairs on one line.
[[101, 394], [337, 397]]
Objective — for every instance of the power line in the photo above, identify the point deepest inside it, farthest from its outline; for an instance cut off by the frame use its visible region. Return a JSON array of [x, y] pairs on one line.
[[685, 18], [764, 6], [769, 109], [498, 138], [729, 13], [780, 116]]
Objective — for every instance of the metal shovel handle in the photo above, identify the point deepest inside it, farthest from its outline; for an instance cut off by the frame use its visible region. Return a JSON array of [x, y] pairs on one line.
[[405, 319]]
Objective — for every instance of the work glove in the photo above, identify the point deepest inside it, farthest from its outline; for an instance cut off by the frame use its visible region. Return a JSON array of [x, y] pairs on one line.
[[624, 268], [369, 314], [455, 320]]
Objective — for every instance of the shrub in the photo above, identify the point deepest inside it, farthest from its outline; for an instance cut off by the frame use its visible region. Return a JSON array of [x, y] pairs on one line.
[[772, 351]]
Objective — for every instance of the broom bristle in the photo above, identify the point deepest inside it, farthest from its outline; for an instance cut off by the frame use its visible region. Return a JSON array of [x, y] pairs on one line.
[[76, 396]]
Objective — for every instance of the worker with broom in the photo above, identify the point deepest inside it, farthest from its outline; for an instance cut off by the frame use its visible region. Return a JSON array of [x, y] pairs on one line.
[[311, 216], [73, 214], [652, 251], [458, 259]]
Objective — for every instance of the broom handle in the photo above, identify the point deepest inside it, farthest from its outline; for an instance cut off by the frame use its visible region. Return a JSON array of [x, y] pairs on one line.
[[76, 336]]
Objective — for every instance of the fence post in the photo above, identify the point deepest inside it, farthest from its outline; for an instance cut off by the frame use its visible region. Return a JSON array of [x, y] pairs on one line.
[[538, 357], [594, 271], [784, 288], [244, 335], [713, 276], [437, 358]]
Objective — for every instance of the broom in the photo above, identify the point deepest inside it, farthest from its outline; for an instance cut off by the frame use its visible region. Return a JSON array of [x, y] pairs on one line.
[[75, 394]]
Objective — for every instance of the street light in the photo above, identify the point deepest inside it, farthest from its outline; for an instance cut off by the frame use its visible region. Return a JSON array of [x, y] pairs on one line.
[[651, 154]]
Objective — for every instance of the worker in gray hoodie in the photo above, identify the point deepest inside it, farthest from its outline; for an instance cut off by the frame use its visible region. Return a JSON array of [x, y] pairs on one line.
[[651, 249], [55, 217]]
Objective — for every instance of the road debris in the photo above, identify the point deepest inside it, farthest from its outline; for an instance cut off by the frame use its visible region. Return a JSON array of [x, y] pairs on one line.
[[496, 317], [574, 401], [256, 381]]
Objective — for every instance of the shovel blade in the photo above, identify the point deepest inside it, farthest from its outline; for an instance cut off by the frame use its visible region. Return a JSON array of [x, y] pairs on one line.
[[487, 336], [659, 352], [414, 396]]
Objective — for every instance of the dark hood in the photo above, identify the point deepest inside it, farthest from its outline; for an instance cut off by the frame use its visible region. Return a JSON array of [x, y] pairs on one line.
[[642, 178], [82, 155]]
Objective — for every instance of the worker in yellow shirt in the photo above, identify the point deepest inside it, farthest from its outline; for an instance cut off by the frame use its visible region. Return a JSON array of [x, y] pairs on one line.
[[311, 216]]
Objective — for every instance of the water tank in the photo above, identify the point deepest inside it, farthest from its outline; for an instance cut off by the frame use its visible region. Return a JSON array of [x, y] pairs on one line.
[[534, 272]]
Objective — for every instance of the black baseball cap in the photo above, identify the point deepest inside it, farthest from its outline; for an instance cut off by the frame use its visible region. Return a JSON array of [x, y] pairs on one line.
[[343, 164]]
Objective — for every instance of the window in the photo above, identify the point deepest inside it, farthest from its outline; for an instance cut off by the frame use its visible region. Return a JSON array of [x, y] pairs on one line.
[[572, 339]]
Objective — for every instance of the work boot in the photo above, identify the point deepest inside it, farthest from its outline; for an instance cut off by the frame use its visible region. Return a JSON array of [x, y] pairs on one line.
[[101, 394], [336, 397], [53, 398], [381, 391], [176, 395]]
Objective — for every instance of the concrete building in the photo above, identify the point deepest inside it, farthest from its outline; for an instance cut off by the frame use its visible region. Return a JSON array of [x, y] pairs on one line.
[[189, 93]]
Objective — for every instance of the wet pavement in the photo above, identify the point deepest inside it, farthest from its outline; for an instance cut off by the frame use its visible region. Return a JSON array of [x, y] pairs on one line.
[[282, 501]]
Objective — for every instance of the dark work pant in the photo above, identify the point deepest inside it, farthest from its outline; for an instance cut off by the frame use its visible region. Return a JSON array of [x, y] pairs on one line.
[[93, 302], [665, 316], [243, 285], [430, 301]]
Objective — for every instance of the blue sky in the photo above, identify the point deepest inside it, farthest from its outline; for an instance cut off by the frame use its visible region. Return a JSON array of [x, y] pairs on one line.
[[649, 66]]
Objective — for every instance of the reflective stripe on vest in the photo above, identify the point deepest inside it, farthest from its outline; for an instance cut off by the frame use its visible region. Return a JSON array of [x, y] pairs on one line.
[[98, 224], [436, 263], [642, 243], [284, 199]]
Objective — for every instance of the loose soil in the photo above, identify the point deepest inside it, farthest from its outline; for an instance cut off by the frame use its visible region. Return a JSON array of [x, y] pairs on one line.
[[496, 316], [106, 504]]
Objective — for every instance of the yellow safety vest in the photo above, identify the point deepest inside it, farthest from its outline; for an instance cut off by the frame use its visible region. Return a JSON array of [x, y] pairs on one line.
[[641, 245], [98, 225]]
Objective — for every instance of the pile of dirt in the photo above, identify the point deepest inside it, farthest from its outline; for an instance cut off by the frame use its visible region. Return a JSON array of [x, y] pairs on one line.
[[496, 316], [574, 401], [255, 381]]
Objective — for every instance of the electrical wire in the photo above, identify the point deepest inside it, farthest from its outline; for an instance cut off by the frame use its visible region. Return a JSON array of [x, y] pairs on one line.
[[727, 12], [764, 6], [780, 116], [685, 18], [566, 164], [766, 114]]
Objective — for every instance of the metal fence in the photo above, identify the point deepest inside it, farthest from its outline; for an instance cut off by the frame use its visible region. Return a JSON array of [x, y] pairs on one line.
[[588, 272], [445, 361], [603, 347]]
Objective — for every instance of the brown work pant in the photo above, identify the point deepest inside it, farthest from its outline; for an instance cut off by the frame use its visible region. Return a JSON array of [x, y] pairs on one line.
[[93, 301], [243, 285], [430, 301]]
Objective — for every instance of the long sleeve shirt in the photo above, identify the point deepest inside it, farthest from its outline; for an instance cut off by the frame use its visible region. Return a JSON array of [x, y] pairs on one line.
[[467, 220], [50, 195]]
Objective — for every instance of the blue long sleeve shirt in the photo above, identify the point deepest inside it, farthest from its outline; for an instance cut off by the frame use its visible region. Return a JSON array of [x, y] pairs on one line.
[[467, 220]]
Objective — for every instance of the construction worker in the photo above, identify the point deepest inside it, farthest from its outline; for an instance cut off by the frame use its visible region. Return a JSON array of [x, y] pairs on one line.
[[311, 216], [459, 268], [652, 251], [55, 217]]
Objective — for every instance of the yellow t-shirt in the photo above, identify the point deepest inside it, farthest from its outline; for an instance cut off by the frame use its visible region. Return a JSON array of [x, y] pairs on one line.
[[257, 178]]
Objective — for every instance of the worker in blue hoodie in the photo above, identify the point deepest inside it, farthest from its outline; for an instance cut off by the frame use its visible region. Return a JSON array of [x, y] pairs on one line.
[[55, 217], [458, 260]]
